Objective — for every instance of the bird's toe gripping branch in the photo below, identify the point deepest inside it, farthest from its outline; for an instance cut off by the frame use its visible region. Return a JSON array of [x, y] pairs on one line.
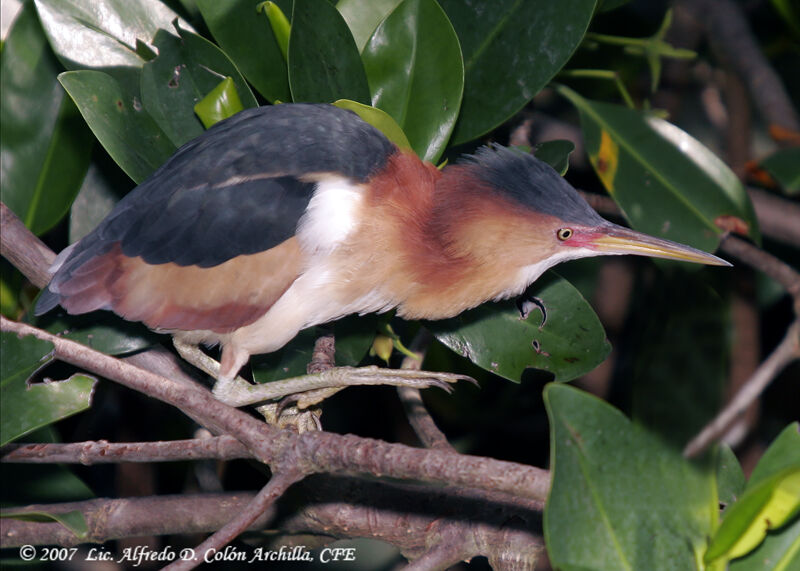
[[301, 393]]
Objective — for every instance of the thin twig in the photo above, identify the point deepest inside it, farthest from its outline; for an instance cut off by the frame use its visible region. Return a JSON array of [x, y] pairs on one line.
[[104, 452], [786, 352], [259, 505], [418, 416]]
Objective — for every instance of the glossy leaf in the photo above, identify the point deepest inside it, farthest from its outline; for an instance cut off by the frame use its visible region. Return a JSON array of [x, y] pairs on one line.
[[780, 551], [85, 34], [765, 506], [279, 24], [186, 70], [730, 478], [25, 408], [119, 122], [784, 166], [363, 16], [288, 361], [621, 498], [324, 63], [247, 39], [495, 336], [100, 330], [666, 183], [45, 146], [378, 119], [220, 103], [416, 74], [784, 452], [104, 185], [555, 153], [511, 50]]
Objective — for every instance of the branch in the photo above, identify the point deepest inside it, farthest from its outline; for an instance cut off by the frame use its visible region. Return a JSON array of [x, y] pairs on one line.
[[28, 254], [786, 352], [104, 452]]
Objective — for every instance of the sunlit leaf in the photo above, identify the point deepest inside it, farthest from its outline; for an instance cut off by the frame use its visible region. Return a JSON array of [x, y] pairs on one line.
[[247, 39], [23, 407], [511, 50], [45, 146], [85, 33], [495, 337], [220, 103], [621, 498], [415, 73], [324, 63]]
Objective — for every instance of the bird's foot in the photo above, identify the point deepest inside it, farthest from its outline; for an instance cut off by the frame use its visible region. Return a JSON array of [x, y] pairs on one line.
[[309, 390]]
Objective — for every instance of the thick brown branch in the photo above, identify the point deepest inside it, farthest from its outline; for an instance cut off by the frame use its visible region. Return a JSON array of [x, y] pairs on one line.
[[109, 519], [104, 452]]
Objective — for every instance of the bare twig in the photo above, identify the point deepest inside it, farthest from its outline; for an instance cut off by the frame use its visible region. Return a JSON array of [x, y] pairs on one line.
[[787, 351], [418, 416], [264, 500], [777, 217], [28, 254], [104, 452]]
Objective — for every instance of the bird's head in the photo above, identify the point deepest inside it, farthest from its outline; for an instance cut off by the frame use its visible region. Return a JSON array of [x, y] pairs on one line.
[[515, 210]]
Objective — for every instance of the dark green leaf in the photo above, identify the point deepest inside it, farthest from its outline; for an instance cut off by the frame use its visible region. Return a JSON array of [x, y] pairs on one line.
[[555, 153], [119, 121], [72, 520], [416, 74], [730, 478], [496, 338], [784, 165], [667, 183], [185, 71], [289, 361], [354, 336], [104, 185], [378, 119], [45, 146], [220, 103], [608, 5], [511, 50], [85, 34], [101, 330], [247, 38], [25, 408], [324, 63], [620, 498], [279, 24], [784, 452], [363, 16]]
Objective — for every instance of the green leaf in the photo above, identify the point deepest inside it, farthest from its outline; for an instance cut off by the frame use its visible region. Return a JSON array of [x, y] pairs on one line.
[[289, 361], [730, 478], [72, 520], [416, 74], [621, 498], [87, 35], [100, 330], [247, 38], [220, 103], [784, 166], [511, 50], [279, 24], [784, 452], [666, 183], [354, 336], [45, 146], [378, 119], [771, 498], [186, 69], [495, 336], [119, 122], [324, 63], [767, 505], [555, 153], [780, 551], [363, 16], [25, 408]]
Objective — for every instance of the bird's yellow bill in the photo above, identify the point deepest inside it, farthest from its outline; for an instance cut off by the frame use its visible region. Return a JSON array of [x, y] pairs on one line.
[[618, 240]]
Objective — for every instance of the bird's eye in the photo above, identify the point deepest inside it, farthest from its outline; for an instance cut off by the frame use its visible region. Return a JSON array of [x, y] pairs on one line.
[[564, 234]]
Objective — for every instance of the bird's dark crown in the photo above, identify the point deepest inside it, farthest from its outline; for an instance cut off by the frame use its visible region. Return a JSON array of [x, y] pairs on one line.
[[532, 183]]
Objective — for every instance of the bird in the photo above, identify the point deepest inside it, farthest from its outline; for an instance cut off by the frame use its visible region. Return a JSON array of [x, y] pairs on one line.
[[287, 216]]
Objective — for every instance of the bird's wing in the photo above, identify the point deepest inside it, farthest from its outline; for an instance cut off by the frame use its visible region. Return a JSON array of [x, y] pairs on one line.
[[207, 242]]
